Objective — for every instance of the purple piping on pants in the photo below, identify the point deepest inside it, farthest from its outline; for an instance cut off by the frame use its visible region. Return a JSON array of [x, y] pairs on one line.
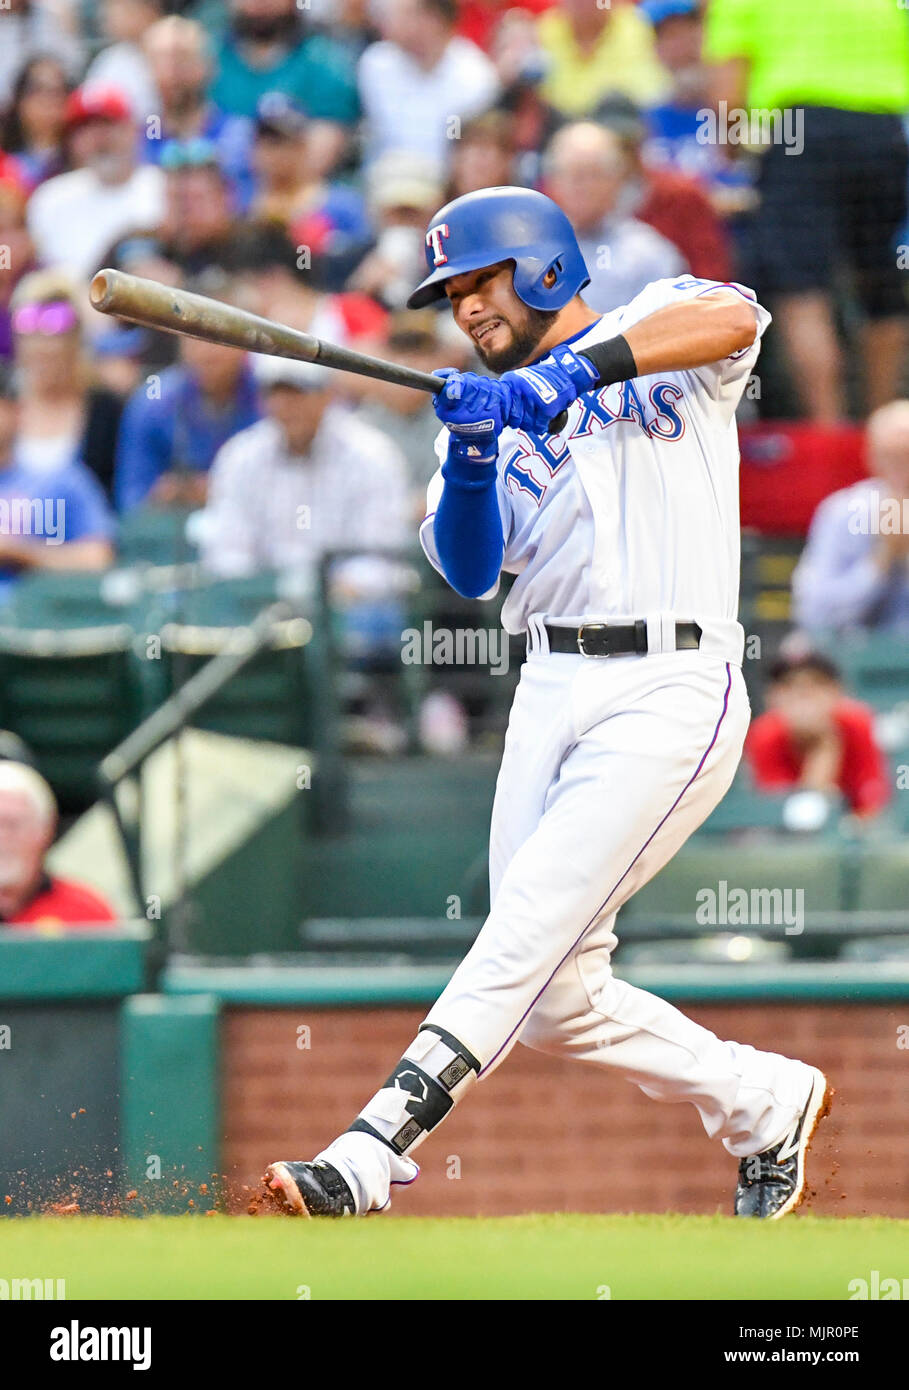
[[395, 1182], [599, 910]]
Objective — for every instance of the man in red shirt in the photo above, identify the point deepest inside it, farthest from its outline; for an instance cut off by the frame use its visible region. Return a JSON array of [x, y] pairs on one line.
[[28, 896], [813, 737]]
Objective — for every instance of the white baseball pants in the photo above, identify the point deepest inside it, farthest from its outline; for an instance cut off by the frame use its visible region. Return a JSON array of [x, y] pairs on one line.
[[608, 767]]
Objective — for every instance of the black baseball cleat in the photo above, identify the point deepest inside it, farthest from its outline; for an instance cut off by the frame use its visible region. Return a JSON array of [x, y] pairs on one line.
[[309, 1189], [772, 1184]]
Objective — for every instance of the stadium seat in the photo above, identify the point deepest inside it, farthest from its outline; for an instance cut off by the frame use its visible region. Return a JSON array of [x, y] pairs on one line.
[[765, 606], [73, 599], [745, 808], [72, 696], [815, 867], [789, 467], [875, 666], [155, 536], [486, 696], [883, 878], [267, 699]]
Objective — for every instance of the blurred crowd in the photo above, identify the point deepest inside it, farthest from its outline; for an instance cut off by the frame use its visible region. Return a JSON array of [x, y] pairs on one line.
[[287, 155]]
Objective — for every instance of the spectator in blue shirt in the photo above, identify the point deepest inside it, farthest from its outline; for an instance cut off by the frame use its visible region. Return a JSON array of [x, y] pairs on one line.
[[57, 519], [175, 423], [181, 65], [676, 125], [854, 570]]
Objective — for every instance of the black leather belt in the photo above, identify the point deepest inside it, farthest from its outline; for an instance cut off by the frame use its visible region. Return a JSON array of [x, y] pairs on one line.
[[616, 639]]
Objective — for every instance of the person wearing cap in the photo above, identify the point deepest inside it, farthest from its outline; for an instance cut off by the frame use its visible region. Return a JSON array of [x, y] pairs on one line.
[[29, 895], [813, 737], [421, 79], [279, 159], [676, 122], [180, 62], [199, 212], [49, 520], [197, 226], [328, 219], [307, 479], [402, 191], [167, 442], [74, 217]]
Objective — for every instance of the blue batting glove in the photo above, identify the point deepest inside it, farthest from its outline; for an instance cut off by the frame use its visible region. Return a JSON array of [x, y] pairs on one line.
[[474, 408], [541, 392]]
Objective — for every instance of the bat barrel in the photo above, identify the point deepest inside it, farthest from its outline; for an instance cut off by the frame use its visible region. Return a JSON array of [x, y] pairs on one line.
[[178, 311]]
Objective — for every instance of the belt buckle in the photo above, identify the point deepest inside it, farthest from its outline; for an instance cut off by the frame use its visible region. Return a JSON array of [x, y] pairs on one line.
[[590, 627]]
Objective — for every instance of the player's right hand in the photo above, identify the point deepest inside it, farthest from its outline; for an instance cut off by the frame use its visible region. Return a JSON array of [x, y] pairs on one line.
[[543, 391]]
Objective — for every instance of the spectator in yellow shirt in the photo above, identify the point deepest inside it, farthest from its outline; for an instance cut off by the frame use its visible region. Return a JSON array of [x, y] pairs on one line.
[[594, 53], [830, 85]]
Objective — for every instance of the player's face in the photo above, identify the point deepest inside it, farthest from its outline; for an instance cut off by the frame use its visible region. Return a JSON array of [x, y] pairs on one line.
[[504, 331]]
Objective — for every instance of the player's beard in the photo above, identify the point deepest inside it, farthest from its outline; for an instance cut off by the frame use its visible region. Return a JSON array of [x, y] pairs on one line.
[[526, 336]]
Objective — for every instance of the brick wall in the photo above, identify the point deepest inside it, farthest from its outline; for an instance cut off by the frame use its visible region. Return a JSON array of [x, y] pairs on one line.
[[548, 1135]]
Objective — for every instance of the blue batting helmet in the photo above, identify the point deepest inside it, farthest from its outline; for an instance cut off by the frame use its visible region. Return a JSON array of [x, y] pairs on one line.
[[504, 224]]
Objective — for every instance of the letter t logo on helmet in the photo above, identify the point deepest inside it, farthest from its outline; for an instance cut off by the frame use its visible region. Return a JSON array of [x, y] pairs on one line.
[[434, 243], [492, 225]]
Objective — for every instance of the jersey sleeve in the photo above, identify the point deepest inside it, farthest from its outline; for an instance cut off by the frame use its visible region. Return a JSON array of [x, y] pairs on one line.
[[433, 494], [725, 380]]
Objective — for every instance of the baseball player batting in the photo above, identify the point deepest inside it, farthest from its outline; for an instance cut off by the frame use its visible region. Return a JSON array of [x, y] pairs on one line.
[[622, 532]]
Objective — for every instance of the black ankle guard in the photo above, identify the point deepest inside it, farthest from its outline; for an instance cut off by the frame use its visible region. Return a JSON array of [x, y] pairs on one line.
[[433, 1074]]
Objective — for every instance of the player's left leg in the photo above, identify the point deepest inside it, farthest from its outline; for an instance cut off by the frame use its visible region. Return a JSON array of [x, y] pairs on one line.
[[762, 1105]]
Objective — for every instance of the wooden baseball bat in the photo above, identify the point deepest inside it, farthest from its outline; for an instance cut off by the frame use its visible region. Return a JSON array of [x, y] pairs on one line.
[[178, 311], [155, 305]]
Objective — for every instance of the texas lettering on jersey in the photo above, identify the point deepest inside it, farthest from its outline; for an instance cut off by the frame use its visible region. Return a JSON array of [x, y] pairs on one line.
[[658, 415]]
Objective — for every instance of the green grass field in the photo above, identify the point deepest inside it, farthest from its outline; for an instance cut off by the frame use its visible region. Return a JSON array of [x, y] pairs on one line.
[[528, 1257]]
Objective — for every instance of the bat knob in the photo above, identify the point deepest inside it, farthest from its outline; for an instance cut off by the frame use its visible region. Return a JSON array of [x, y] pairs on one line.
[[558, 423], [100, 288]]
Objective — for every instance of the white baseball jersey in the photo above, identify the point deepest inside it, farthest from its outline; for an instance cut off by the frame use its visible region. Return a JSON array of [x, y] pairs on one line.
[[633, 509]]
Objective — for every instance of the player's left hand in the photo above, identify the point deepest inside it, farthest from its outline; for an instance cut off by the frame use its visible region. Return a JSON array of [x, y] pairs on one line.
[[541, 392], [470, 404]]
